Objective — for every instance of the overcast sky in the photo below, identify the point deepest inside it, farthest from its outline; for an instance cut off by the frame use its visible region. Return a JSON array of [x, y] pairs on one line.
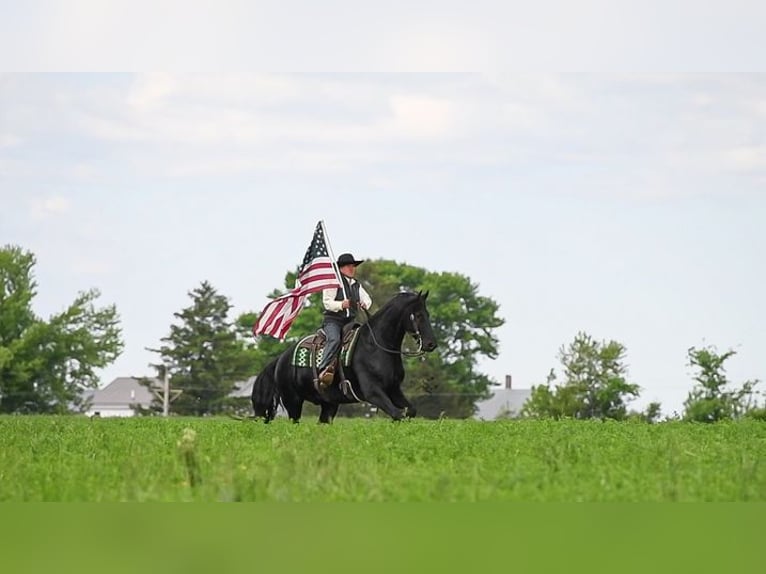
[[631, 207]]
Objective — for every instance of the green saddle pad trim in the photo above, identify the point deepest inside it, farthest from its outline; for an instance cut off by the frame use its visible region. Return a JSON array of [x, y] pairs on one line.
[[305, 356]]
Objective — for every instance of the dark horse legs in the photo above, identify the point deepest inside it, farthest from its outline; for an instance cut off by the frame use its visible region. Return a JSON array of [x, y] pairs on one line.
[[377, 397], [328, 413], [294, 407], [400, 401]]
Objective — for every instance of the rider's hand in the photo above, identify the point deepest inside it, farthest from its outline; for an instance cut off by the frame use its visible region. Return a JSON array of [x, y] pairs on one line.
[[346, 304]]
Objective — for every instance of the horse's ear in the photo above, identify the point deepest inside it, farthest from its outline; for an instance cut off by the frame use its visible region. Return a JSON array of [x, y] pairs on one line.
[[426, 295], [420, 294]]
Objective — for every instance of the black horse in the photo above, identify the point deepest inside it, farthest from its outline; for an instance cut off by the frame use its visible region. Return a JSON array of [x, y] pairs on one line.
[[375, 372]]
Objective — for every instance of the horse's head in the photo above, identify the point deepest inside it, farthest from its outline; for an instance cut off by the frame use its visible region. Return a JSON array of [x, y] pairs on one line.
[[420, 323]]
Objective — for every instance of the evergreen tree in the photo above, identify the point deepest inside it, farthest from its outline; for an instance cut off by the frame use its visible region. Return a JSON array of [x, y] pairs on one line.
[[204, 354]]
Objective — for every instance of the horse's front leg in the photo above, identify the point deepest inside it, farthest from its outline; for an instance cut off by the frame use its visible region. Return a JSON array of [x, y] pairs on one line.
[[328, 413], [377, 397], [400, 401]]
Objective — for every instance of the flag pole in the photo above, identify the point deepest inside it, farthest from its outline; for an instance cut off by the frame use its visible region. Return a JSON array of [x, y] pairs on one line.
[[334, 261]]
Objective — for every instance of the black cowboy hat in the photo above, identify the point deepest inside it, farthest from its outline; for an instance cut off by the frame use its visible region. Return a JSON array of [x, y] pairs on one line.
[[348, 259]]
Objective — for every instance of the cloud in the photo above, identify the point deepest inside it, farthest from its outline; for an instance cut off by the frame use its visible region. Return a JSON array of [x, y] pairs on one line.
[[9, 140], [617, 131], [49, 207], [84, 172], [151, 92], [516, 115], [746, 158], [255, 110], [422, 117]]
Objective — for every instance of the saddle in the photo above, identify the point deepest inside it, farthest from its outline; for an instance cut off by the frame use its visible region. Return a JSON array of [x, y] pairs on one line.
[[308, 351]]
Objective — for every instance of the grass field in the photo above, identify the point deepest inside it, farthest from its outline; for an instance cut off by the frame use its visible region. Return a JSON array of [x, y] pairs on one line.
[[152, 459]]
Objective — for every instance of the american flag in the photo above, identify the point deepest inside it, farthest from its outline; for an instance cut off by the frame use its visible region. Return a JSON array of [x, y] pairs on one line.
[[315, 274]]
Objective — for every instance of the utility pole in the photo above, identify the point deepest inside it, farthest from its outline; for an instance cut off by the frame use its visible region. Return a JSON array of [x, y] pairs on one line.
[[166, 393]]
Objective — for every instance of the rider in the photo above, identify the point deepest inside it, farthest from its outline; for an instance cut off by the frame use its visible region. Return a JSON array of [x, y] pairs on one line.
[[340, 308]]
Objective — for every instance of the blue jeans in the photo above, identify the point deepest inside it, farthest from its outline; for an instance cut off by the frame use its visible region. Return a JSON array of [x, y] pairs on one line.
[[333, 331]]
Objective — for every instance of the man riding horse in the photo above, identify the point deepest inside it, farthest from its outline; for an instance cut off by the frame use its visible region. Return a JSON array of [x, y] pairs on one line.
[[340, 305]]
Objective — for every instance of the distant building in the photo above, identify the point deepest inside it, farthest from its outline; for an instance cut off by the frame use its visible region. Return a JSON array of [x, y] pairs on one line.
[[119, 398], [243, 390], [504, 402]]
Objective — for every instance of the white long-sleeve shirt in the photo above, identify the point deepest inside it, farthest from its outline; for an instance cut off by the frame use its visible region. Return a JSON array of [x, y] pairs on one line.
[[329, 302]]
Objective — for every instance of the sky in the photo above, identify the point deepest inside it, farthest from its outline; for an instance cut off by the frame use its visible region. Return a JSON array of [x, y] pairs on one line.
[[627, 206]]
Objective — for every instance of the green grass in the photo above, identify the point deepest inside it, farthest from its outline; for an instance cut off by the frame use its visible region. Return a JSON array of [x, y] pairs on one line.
[[146, 459]]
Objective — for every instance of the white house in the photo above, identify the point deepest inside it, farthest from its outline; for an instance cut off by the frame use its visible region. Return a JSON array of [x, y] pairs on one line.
[[504, 402], [118, 398], [244, 389]]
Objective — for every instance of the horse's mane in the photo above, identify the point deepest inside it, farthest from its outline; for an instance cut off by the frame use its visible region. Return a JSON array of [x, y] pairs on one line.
[[397, 302]]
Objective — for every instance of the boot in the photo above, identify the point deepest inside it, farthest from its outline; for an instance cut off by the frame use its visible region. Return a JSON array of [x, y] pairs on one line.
[[326, 376]]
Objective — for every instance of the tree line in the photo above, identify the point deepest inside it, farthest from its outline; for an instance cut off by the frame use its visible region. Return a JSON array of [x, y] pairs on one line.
[[592, 383], [45, 365]]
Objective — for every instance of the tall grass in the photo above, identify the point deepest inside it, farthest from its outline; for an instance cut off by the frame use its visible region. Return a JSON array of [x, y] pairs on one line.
[[143, 459]]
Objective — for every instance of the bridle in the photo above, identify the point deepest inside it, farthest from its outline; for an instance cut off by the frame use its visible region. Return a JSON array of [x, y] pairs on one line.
[[415, 333]]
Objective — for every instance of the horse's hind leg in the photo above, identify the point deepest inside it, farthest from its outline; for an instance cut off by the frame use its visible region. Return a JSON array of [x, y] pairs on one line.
[[328, 413]]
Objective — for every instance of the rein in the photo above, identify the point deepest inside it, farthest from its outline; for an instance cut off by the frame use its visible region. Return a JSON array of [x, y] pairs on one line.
[[419, 353]]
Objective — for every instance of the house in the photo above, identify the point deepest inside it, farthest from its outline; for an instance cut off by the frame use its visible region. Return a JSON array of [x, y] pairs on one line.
[[504, 402], [243, 390], [118, 398]]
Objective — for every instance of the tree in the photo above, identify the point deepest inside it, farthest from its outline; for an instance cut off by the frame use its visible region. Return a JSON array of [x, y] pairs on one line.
[[711, 400], [445, 382], [652, 412], [204, 355], [594, 384], [45, 365]]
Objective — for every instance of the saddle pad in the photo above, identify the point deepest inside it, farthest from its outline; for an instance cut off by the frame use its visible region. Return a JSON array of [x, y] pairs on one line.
[[306, 353], [309, 350]]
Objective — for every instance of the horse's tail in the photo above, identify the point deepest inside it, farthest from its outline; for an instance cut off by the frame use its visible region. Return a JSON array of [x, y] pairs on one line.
[[265, 395]]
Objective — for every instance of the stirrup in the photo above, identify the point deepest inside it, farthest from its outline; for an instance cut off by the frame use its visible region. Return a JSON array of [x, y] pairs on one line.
[[326, 377]]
